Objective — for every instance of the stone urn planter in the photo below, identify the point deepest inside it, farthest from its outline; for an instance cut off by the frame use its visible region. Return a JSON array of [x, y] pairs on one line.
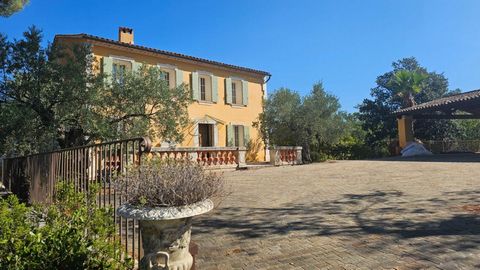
[[165, 233]]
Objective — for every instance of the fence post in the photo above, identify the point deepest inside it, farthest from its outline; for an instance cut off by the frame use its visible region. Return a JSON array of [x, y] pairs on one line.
[[242, 163]]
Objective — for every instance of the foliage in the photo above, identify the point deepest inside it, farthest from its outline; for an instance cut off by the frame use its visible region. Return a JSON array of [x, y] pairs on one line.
[[169, 182], [55, 97], [406, 84], [392, 93], [311, 121], [8, 7], [71, 233], [352, 145]]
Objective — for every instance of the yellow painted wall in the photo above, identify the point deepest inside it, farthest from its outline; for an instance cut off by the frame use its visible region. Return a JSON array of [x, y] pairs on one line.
[[229, 114]]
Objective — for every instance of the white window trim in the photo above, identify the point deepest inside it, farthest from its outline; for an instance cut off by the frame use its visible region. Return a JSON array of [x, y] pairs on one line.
[[122, 58], [167, 66], [202, 72], [238, 124], [196, 133]]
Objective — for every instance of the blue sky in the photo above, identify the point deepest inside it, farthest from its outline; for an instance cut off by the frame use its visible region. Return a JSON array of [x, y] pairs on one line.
[[344, 43]]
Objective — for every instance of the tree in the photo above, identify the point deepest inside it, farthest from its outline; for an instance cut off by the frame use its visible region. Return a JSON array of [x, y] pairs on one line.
[[408, 83], [8, 7], [311, 122], [54, 97]]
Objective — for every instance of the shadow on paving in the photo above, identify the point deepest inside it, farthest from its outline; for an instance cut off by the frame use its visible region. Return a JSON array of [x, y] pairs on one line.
[[390, 217], [446, 157]]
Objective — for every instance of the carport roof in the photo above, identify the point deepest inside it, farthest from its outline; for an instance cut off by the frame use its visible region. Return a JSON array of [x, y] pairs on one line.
[[466, 102]]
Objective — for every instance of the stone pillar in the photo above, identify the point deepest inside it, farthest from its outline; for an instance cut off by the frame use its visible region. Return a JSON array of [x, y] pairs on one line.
[[298, 149], [405, 132], [242, 162], [275, 156]]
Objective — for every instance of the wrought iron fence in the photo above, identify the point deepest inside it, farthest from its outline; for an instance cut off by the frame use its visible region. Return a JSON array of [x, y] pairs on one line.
[[33, 178], [453, 146]]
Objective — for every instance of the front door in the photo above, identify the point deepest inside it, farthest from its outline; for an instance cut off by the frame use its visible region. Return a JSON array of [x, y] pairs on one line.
[[205, 135]]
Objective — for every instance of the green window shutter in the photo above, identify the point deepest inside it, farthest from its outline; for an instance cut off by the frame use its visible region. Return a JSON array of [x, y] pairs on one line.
[[214, 88], [245, 92], [230, 135], [228, 90], [108, 67], [136, 66], [246, 135], [178, 77], [195, 88]]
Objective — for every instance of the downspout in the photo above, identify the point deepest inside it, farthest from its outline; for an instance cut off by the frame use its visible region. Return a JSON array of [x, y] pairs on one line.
[[264, 88]]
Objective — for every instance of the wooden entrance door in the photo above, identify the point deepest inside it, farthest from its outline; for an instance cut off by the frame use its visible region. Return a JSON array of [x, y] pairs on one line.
[[205, 135]]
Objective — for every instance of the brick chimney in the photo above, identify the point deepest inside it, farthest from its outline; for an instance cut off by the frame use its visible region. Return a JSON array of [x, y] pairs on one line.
[[125, 34]]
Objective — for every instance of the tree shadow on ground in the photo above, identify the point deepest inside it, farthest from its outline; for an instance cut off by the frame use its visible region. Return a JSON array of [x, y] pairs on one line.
[[445, 157], [438, 225]]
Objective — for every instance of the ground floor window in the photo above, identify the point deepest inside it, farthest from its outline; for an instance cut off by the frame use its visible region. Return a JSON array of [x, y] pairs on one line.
[[239, 135]]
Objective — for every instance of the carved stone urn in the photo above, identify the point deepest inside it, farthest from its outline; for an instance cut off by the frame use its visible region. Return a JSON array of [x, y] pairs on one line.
[[165, 233]]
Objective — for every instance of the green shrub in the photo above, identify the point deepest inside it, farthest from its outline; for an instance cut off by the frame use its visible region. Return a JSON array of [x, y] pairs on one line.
[[71, 233]]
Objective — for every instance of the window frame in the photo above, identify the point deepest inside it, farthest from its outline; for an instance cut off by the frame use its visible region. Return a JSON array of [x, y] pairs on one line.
[[205, 88], [237, 94], [171, 71], [238, 135], [127, 66]]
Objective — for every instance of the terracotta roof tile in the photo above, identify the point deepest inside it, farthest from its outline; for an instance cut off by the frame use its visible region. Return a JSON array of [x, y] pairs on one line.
[[162, 52], [438, 103]]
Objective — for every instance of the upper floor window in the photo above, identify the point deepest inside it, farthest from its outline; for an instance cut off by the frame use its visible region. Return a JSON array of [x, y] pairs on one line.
[[237, 93], [205, 88], [168, 74], [119, 69]]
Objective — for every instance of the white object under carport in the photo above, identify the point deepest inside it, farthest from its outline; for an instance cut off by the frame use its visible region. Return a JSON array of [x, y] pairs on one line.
[[415, 149]]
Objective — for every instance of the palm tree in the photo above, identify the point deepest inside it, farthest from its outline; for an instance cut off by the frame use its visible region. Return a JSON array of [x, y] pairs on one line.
[[406, 84]]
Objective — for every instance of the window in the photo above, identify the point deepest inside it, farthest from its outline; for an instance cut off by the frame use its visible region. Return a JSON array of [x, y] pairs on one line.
[[166, 77], [237, 93], [169, 76], [203, 94], [205, 88], [238, 136], [119, 69], [234, 93]]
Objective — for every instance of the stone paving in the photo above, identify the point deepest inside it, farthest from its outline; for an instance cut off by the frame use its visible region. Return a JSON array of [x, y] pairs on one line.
[[346, 215]]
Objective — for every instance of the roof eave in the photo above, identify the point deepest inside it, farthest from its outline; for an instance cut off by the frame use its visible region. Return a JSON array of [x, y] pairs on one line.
[[164, 53]]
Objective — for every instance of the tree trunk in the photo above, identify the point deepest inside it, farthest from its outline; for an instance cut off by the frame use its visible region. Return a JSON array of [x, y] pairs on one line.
[[306, 158]]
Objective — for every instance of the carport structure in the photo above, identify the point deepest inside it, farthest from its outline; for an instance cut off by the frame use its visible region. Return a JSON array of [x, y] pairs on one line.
[[460, 106]]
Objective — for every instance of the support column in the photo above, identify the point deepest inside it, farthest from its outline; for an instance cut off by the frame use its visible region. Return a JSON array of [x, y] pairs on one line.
[[405, 131]]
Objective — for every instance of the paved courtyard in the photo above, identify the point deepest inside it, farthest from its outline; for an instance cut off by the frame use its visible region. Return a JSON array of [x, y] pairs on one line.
[[346, 215]]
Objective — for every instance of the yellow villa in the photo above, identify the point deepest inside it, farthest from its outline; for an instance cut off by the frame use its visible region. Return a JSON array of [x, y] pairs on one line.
[[227, 98]]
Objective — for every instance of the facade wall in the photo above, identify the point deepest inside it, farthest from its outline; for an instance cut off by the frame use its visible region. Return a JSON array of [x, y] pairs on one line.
[[219, 113]]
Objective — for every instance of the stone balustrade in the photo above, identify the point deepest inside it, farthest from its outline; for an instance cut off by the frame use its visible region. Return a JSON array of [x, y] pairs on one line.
[[285, 155], [206, 156]]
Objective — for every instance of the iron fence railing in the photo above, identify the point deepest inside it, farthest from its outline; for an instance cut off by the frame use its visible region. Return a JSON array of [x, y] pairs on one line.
[[453, 146], [33, 178]]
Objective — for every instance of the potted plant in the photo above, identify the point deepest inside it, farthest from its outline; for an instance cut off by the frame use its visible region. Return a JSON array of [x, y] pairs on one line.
[[164, 195]]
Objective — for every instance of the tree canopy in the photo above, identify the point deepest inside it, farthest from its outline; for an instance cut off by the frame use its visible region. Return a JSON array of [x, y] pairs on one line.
[[311, 121], [8, 7], [408, 83], [54, 97]]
